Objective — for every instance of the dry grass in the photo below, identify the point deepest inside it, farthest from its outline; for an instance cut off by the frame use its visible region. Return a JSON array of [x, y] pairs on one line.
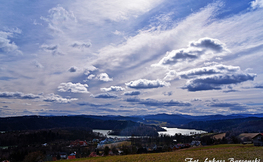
[[117, 144], [219, 152], [220, 136]]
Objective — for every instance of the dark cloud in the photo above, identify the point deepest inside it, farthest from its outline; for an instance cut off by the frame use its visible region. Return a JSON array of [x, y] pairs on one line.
[[92, 105], [132, 93], [18, 95], [38, 65], [7, 78], [81, 45], [258, 86], [231, 106], [179, 55], [194, 51], [168, 93], [50, 48], [223, 104], [105, 95], [145, 84], [231, 90], [196, 99], [216, 81], [208, 43], [73, 69], [54, 49], [153, 102]]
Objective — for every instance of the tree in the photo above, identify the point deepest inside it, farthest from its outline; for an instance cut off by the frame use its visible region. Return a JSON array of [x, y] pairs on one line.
[[106, 150], [34, 157]]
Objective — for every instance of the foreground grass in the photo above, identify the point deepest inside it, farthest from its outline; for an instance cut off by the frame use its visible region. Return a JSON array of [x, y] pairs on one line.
[[219, 152]]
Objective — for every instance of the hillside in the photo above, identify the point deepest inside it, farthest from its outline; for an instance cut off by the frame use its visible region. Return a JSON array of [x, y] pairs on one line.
[[218, 123], [119, 127], [218, 152]]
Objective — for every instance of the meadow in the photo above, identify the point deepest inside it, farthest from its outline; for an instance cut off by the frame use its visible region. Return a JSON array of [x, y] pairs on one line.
[[216, 153]]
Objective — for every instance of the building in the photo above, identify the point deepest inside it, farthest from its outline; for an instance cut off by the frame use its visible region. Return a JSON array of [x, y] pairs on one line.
[[63, 155], [247, 137], [258, 140], [72, 156], [78, 143]]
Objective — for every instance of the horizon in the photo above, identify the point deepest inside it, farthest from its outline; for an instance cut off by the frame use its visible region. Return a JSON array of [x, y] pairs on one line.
[[245, 115], [62, 58]]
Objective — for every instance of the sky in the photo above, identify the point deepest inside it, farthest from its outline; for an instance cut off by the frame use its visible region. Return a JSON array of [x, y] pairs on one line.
[[132, 57]]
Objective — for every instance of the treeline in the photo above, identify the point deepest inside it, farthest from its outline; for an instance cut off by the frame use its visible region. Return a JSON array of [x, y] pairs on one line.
[[24, 138]]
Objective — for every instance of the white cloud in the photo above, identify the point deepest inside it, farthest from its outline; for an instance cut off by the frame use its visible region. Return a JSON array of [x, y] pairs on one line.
[[91, 76], [70, 27], [59, 19], [104, 77], [6, 45], [88, 70], [144, 84], [257, 4], [98, 11], [112, 88], [58, 99], [18, 95], [73, 87], [210, 70], [203, 46]]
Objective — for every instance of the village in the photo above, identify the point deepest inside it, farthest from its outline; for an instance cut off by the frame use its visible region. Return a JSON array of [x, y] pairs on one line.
[[101, 145]]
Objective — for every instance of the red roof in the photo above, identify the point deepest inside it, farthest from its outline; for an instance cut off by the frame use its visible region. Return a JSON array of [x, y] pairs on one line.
[[71, 157], [79, 143]]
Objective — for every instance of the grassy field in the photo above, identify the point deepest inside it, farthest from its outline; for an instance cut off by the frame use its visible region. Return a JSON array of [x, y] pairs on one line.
[[217, 152]]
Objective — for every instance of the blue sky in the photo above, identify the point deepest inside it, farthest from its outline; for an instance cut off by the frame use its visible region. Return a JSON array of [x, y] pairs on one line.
[[133, 57]]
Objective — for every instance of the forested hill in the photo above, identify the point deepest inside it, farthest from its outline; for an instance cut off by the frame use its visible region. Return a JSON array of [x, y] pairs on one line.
[[249, 124], [42, 122], [244, 122]]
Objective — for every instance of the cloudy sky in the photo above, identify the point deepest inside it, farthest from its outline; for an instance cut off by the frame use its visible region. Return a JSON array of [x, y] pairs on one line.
[[131, 57]]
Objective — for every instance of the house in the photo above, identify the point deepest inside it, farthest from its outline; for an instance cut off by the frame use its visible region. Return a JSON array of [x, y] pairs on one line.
[[63, 155], [93, 154], [72, 156], [78, 143], [258, 140], [196, 143], [247, 137]]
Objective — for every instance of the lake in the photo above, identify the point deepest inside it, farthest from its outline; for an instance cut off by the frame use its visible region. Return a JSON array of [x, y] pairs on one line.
[[170, 131]]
